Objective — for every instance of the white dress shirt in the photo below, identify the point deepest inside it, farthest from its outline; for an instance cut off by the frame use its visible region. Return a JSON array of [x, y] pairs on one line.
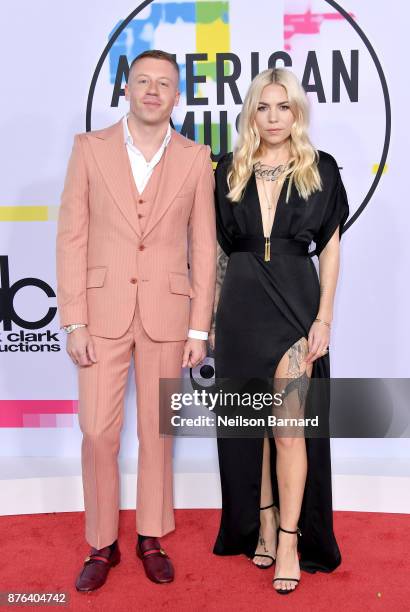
[[142, 171]]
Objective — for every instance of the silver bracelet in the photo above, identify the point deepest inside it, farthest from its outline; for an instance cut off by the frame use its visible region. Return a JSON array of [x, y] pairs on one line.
[[73, 326]]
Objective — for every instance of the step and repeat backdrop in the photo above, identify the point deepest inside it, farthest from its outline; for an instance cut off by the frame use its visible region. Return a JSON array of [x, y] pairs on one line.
[[64, 66]]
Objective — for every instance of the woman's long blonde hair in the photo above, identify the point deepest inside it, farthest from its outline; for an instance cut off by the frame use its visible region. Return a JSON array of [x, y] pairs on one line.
[[302, 169]]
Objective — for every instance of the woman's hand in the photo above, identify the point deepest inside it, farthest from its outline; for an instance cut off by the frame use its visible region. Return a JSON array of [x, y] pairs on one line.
[[318, 341]]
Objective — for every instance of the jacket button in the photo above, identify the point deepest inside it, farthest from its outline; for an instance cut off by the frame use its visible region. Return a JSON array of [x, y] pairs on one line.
[[133, 280], [141, 247], [140, 216], [140, 201]]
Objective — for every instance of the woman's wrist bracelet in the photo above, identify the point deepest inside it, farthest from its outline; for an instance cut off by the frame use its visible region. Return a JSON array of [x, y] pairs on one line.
[[324, 322]]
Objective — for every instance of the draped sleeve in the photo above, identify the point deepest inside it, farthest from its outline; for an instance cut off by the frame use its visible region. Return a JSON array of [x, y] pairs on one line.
[[336, 209], [225, 222]]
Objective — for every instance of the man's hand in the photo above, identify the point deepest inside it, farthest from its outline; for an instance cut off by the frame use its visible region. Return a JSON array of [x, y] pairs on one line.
[[80, 347], [194, 352]]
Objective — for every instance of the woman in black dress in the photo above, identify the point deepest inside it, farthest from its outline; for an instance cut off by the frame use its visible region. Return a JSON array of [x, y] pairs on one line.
[[275, 195]]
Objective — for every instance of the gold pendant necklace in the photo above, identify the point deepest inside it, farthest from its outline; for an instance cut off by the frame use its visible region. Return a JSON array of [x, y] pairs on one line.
[[270, 223], [271, 173], [267, 249]]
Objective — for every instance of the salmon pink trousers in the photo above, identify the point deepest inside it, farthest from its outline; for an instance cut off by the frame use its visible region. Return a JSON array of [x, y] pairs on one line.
[[101, 398]]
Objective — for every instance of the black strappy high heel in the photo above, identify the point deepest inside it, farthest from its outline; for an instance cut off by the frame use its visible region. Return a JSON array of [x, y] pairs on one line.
[[297, 580], [265, 555]]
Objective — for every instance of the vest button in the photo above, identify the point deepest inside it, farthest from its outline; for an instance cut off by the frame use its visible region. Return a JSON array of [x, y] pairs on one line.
[[133, 281], [141, 247], [140, 201], [140, 216]]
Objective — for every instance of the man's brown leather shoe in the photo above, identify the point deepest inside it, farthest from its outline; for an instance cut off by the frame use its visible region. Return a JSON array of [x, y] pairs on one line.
[[96, 568], [157, 565]]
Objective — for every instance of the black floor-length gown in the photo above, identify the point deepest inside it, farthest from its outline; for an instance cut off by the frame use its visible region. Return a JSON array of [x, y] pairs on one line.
[[263, 309]]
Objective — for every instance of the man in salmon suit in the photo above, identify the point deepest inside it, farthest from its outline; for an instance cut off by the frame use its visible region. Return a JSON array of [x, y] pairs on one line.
[[136, 253]]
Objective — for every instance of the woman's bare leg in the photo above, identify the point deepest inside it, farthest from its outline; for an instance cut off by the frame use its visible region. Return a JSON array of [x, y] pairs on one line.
[[268, 517], [291, 465]]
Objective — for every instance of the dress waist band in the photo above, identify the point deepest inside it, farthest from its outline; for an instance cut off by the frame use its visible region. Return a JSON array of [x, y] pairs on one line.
[[256, 244]]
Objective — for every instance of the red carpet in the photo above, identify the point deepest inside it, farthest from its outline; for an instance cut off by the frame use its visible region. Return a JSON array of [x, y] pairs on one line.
[[44, 553]]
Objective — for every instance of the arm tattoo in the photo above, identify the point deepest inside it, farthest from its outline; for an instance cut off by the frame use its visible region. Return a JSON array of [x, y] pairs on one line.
[[221, 265]]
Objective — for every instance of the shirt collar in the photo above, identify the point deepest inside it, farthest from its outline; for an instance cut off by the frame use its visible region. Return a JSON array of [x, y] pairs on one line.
[[128, 138]]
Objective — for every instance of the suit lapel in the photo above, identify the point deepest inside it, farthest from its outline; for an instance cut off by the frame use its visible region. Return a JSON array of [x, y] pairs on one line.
[[112, 159], [177, 163]]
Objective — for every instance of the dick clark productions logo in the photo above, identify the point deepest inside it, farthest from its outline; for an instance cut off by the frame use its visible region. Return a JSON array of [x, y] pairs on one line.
[[23, 341]]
